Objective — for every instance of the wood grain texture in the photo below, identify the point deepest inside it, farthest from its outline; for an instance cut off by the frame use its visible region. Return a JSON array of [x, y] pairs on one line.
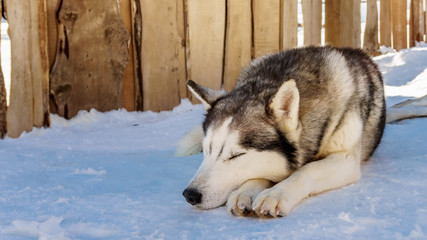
[[332, 26], [266, 29], [312, 17], [29, 92], [206, 33], [137, 52], [289, 23], [128, 92], [399, 26], [238, 43], [350, 23], [385, 23], [52, 22], [3, 100], [91, 58], [370, 39], [160, 55], [416, 22]]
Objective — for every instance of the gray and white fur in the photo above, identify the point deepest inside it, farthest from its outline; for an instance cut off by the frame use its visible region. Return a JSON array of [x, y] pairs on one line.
[[297, 123]]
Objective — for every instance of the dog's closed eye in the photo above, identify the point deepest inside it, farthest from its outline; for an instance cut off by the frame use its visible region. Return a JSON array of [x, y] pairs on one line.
[[235, 155]]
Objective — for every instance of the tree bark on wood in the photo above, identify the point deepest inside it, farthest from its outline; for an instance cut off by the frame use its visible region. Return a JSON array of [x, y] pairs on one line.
[[161, 44], [52, 22], [30, 66], [312, 17], [91, 58], [399, 26], [350, 23], [385, 23], [266, 20], [3, 99], [289, 23], [137, 46], [416, 27], [128, 92], [370, 39], [205, 42], [238, 42]]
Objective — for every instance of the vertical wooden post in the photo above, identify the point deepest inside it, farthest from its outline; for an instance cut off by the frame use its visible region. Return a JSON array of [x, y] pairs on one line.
[[266, 20], [385, 23], [128, 93], [181, 29], [91, 59], [350, 23], [206, 33], [399, 26], [52, 32], [332, 25], [3, 101], [416, 23], [40, 63], [20, 111], [238, 42], [160, 60], [370, 39], [137, 46], [312, 15], [30, 66], [289, 23]]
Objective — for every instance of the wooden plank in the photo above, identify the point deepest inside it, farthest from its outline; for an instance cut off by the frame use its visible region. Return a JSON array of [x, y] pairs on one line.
[[160, 61], [399, 26], [289, 23], [350, 23], [332, 26], [181, 28], [266, 20], [416, 23], [20, 110], [128, 92], [312, 17], [40, 63], [206, 33], [52, 8], [385, 23], [370, 39], [137, 46], [238, 42], [91, 58], [3, 99]]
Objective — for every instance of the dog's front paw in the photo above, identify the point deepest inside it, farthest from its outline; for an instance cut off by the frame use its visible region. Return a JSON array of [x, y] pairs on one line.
[[273, 203], [240, 203]]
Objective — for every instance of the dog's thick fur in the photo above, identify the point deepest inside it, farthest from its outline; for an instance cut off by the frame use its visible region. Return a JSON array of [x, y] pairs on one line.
[[298, 123]]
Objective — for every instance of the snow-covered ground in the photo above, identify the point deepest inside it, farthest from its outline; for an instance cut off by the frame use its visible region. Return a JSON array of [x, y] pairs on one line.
[[114, 176]]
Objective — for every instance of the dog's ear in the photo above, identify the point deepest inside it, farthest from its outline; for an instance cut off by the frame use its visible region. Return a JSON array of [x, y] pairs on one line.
[[206, 95], [285, 106]]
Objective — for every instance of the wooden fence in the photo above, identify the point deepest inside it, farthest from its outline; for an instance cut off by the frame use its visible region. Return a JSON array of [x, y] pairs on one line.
[[70, 55]]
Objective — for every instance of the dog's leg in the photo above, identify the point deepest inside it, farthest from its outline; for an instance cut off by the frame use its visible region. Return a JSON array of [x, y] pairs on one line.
[[191, 143], [239, 202], [334, 171]]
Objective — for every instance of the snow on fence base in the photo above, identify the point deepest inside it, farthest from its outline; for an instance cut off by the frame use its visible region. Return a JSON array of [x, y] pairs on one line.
[[206, 41]]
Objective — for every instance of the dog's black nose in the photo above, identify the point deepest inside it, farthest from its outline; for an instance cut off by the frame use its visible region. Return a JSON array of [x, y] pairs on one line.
[[192, 196]]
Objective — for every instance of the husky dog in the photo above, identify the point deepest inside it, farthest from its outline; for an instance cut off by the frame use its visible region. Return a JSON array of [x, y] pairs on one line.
[[297, 123]]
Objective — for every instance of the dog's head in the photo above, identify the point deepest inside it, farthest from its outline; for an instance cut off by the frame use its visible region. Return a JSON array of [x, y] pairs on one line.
[[245, 138]]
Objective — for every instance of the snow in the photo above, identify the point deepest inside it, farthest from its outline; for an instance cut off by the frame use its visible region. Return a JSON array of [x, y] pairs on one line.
[[114, 176]]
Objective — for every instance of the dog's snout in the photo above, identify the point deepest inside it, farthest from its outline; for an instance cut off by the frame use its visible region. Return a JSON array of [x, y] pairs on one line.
[[192, 196]]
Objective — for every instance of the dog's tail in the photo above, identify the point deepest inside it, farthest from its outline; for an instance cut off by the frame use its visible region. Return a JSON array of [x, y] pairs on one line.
[[412, 108], [191, 143]]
